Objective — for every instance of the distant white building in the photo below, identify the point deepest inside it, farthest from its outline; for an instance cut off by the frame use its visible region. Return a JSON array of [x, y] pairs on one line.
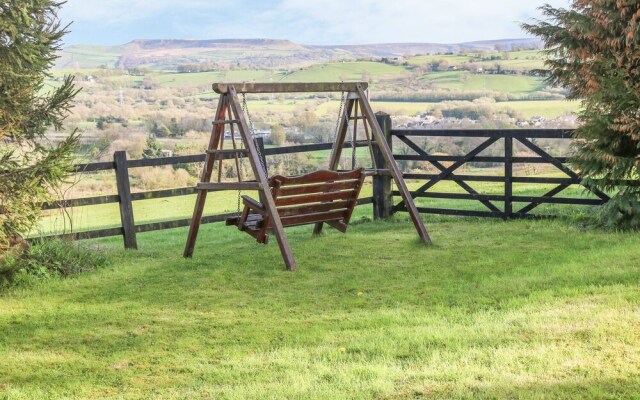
[[262, 133]]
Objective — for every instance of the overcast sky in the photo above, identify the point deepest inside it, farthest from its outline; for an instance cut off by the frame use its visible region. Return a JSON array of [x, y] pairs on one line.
[[302, 21]]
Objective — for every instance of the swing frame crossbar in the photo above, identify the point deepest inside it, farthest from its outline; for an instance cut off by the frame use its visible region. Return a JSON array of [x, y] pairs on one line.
[[292, 87], [230, 112]]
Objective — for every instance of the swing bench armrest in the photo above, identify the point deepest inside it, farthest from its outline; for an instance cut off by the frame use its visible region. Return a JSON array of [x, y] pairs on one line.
[[250, 204], [253, 204]]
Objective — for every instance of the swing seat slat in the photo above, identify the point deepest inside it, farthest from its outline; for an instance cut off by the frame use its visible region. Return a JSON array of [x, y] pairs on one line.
[[321, 196]]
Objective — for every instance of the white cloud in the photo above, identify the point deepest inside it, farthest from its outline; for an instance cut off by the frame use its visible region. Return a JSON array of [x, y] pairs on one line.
[[123, 11], [363, 21], [309, 21]]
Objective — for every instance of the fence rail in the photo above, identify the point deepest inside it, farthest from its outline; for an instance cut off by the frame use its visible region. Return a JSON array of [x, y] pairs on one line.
[[382, 199], [125, 198]]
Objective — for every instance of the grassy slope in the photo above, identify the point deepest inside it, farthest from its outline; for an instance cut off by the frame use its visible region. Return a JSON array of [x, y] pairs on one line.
[[474, 82], [546, 108], [381, 74], [89, 56], [348, 71], [207, 78], [528, 59], [526, 309]]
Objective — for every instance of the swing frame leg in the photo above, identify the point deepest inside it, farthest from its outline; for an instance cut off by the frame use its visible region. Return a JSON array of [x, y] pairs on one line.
[[216, 135], [336, 151]]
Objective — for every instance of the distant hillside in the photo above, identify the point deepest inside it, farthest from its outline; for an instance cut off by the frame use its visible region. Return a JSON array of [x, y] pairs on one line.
[[168, 54], [154, 44], [401, 49]]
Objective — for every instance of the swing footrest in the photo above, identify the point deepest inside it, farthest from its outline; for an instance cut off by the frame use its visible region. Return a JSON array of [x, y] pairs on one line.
[[232, 221], [252, 225]]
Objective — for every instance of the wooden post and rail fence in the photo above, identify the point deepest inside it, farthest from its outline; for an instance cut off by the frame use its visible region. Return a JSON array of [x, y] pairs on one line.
[[383, 196]]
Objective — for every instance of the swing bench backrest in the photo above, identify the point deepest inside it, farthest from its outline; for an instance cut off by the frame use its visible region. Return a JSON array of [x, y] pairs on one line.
[[321, 196]]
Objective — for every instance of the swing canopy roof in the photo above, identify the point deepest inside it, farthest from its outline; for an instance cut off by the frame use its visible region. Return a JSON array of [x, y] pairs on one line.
[[290, 87]]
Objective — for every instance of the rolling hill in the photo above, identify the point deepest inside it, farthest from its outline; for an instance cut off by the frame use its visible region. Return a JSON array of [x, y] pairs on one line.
[[167, 54]]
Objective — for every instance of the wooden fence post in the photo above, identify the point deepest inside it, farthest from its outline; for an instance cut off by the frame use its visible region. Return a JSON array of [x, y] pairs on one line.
[[124, 198], [508, 176], [382, 197]]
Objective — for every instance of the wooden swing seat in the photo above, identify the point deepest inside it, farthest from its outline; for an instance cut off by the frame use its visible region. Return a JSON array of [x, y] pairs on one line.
[[320, 196]]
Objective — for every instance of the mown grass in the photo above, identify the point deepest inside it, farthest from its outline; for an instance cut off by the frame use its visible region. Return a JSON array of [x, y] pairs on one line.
[[524, 309]]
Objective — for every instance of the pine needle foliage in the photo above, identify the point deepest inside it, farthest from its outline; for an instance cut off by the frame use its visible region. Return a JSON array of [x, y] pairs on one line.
[[593, 50], [30, 37]]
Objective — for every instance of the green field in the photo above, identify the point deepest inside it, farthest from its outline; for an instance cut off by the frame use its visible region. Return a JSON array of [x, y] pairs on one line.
[[452, 59], [88, 57], [345, 71], [513, 64], [528, 59], [545, 108], [386, 80], [207, 78], [457, 80], [329, 108], [525, 309]]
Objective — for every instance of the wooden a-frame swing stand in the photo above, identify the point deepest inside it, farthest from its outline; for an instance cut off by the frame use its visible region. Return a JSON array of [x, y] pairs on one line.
[[230, 113]]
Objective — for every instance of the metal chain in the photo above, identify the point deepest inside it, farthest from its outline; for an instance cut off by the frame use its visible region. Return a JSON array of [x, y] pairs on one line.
[[353, 149], [240, 155], [238, 205], [245, 109], [354, 136], [335, 135], [340, 110]]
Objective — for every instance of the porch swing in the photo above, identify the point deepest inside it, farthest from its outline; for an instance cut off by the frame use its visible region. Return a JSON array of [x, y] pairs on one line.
[[323, 196]]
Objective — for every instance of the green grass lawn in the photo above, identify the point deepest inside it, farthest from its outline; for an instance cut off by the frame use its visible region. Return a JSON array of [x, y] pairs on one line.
[[524, 309]]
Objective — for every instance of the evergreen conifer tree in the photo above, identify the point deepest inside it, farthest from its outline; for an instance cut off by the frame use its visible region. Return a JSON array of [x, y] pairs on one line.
[[30, 36], [593, 50]]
